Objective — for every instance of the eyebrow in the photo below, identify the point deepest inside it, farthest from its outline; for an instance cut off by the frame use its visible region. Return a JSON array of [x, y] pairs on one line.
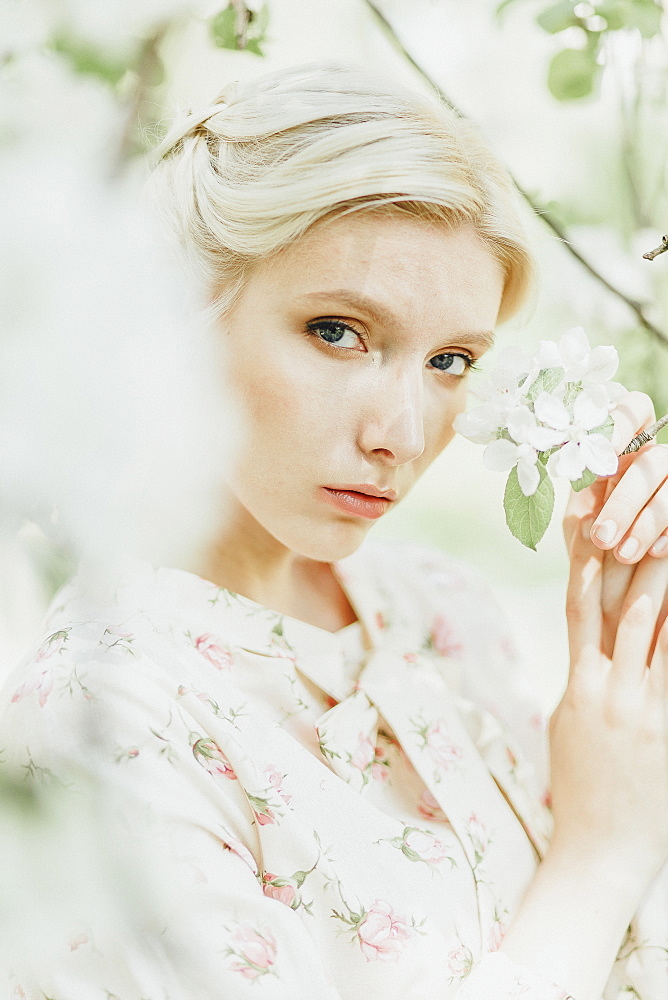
[[382, 315]]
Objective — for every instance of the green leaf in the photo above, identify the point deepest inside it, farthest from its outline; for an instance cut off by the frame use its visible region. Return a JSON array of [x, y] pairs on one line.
[[224, 29], [606, 428], [89, 60], [645, 15], [559, 17], [528, 517], [586, 480], [502, 6], [547, 381], [253, 45], [572, 74]]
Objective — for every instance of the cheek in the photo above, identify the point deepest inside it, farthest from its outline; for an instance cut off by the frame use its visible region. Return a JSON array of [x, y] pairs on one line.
[[440, 418]]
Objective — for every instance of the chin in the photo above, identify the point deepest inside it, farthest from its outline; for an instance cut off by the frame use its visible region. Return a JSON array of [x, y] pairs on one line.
[[331, 543]]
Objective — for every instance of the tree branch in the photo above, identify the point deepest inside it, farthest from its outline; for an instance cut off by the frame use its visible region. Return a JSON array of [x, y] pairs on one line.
[[146, 65], [638, 308]]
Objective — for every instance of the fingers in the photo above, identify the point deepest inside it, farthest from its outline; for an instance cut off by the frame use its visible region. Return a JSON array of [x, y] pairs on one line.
[[658, 671], [633, 413], [641, 610], [615, 584], [583, 596], [635, 515]]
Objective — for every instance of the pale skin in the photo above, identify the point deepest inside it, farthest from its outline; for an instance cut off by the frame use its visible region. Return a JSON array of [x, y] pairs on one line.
[[369, 398]]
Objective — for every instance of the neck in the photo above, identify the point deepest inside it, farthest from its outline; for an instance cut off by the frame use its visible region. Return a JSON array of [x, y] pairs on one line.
[[247, 560]]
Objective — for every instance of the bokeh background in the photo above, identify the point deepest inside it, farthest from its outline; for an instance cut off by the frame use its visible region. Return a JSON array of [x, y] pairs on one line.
[[113, 430]]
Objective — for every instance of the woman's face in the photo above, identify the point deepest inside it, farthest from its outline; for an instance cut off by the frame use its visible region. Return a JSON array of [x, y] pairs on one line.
[[349, 353]]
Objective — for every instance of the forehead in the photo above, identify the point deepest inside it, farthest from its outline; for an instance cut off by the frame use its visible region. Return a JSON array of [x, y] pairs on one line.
[[420, 270]]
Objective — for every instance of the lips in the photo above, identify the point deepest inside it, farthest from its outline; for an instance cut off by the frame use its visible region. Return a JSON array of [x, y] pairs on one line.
[[365, 501], [366, 490]]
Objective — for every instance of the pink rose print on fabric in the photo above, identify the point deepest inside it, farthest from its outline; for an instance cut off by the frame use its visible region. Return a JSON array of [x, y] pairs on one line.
[[239, 848], [211, 648], [52, 645], [496, 933], [478, 836], [418, 845], [276, 780], [442, 749], [460, 962], [429, 807], [78, 942], [364, 752], [380, 767], [284, 890], [380, 620], [507, 647], [40, 684], [211, 757], [382, 934], [256, 953], [444, 639]]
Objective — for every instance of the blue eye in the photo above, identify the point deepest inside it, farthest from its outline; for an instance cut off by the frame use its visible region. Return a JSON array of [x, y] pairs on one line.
[[335, 332], [453, 364]]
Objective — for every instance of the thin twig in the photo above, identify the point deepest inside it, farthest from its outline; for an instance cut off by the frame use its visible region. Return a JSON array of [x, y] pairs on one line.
[[638, 308], [645, 436], [651, 254], [243, 19], [146, 64]]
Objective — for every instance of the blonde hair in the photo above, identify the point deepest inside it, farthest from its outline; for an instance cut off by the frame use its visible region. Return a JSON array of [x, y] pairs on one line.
[[250, 173]]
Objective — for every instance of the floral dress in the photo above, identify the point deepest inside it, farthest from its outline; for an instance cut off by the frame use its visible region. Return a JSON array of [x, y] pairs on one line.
[[294, 813]]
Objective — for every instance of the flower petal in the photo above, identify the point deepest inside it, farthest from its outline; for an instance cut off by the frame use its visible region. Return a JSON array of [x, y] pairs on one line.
[[574, 348], [544, 438], [599, 455], [547, 355], [478, 425], [528, 476], [569, 461], [500, 455], [587, 414], [521, 422], [602, 365], [551, 411]]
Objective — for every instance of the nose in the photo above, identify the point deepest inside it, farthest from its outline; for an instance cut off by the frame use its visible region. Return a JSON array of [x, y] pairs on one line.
[[392, 426]]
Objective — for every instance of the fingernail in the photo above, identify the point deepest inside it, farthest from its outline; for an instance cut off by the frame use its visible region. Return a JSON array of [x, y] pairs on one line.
[[586, 527], [659, 545], [629, 548], [606, 531]]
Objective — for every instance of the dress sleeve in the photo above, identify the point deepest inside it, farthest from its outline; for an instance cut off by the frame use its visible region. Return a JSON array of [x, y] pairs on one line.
[[496, 977], [138, 884]]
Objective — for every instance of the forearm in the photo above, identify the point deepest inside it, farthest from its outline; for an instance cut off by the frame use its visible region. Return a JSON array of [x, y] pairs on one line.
[[572, 920]]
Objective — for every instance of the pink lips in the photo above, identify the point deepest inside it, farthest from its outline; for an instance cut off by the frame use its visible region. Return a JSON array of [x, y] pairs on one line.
[[361, 501]]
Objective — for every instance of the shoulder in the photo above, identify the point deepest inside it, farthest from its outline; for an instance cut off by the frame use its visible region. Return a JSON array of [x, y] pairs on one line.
[[105, 669]]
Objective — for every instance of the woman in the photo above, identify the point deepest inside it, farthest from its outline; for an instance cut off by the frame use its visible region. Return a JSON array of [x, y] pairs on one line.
[[320, 739]]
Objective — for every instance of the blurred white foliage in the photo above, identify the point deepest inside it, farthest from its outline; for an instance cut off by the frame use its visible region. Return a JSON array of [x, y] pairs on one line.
[[112, 406], [114, 422], [113, 25]]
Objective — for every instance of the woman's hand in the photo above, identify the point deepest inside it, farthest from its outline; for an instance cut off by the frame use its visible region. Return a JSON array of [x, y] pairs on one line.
[[629, 509], [609, 734], [609, 764]]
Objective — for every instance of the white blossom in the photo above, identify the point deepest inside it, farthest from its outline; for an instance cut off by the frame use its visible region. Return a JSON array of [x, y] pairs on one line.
[[523, 427]]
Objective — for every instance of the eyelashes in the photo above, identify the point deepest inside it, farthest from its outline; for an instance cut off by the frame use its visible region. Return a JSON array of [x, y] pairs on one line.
[[343, 336]]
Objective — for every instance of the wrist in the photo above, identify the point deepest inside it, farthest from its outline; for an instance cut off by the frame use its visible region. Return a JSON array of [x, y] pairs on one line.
[[618, 873]]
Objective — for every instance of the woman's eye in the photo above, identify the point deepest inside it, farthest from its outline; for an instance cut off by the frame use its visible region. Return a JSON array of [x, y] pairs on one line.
[[337, 333], [453, 364]]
